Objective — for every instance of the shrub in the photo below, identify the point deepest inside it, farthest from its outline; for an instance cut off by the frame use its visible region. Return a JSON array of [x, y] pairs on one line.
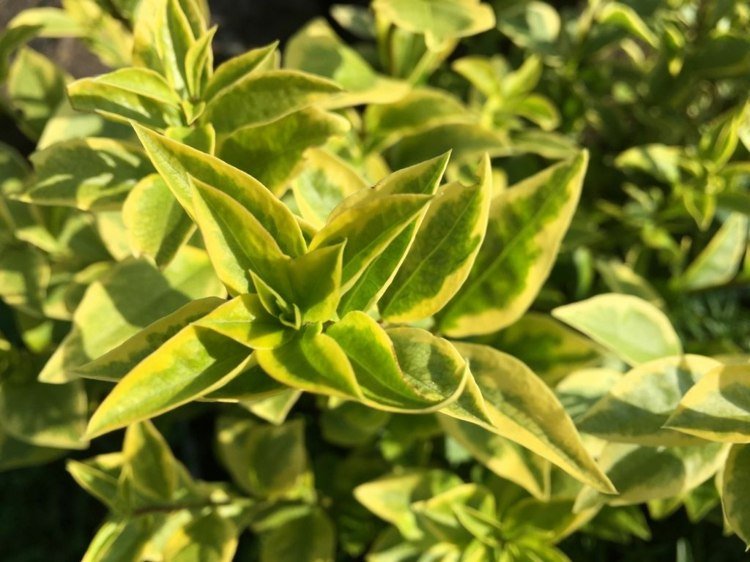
[[440, 303]]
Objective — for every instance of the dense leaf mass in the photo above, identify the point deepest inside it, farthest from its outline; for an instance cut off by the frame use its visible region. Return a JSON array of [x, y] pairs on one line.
[[437, 280]]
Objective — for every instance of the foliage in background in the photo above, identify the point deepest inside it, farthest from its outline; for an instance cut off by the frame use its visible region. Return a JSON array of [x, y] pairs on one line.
[[441, 303]]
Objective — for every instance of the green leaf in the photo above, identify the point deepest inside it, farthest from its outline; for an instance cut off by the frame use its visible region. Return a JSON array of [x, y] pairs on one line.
[[178, 163], [318, 50], [311, 361], [90, 174], [719, 141], [626, 18], [274, 409], [659, 161], [274, 152], [118, 541], [524, 409], [368, 228], [308, 538], [116, 363], [636, 408], [438, 20], [137, 94], [391, 496], [15, 453], [252, 384], [468, 141], [443, 252], [24, 277], [502, 456], [721, 259], [324, 181], [526, 226], [352, 424], [580, 390], [209, 538], [734, 490], [115, 307], [383, 382], [266, 461], [36, 87], [99, 477], [46, 415], [647, 473], [633, 329], [421, 178], [150, 466], [246, 321], [189, 365], [236, 241], [264, 97], [531, 25], [717, 407], [236, 68], [156, 223], [547, 346], [315, 280]]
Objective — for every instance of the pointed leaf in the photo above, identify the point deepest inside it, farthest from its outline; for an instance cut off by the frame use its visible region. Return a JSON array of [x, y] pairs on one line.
[[526, 227], [189, 365], [236, 68], [524, 409], [735, 486], [637, 407], [443, 252]]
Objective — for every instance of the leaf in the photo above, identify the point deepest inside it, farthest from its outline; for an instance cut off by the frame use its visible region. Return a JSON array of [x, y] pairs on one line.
[[468, 141], [659, 161], [647, 473], [118, 541], [440, 20], [633, 329], [352, 424], [734, 491], [580, 390], [443, 252], [266, 461], [149, 465], [423, 178], [275, 408], [236, 241], [117, 362], [502, 456], [721, 259], [178, 163], [36, 87], [236, 68], [308, 538], [717, 407], [636, 408], [317, 49], [190, 364], [324, 181], [24, 277], [368, 228], [157, 225], [526, 227], [208, 538], [383, 382], [99, 477], [311, 361], [15, 453], [547, 346], [46, 415], [532, 25], [90, 174], [391, 496], [315, 281], [522, 408], [626, 18], [115, 307], [274, 152], [137, 94], [266, 96]]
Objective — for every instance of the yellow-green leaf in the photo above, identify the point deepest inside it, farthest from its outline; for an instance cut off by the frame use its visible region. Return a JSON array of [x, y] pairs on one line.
[[443, 252], [735, 487], [637, 407], [717, 407], [189, 365], [524, 409], [526, 227], [632, 328]]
